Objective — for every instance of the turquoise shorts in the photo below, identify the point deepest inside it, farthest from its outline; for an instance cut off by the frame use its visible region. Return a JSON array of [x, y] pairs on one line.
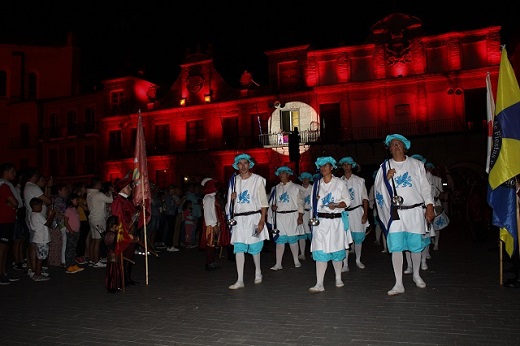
[[404, 241], [358, 237], [305, 236], [252, 249], [286, 239], [321, 256]]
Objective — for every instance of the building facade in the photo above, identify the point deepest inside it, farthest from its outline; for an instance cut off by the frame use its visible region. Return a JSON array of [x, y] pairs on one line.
[[343, 101]]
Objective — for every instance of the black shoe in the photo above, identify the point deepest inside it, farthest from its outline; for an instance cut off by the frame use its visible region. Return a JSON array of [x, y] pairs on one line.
[[212, 266], [132, 283]]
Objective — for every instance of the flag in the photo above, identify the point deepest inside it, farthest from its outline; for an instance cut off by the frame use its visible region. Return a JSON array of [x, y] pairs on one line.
[[490, 116], [141, 194], [123, 239], [504, 158]]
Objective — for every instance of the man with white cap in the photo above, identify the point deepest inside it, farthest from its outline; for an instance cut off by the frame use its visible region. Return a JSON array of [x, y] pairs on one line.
[[246, 210], [305, 194], [358, 209], [405, 206], [286, 207], [331, 236]]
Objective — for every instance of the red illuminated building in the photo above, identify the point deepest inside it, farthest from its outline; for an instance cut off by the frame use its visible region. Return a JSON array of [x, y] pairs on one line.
[[343, 100]]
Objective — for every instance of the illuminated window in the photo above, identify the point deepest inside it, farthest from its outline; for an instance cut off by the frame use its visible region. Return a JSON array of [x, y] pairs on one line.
[[289, 119]]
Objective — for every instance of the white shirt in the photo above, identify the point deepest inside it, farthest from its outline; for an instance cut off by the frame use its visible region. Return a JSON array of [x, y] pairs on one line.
[[96, 202], [30, 191]]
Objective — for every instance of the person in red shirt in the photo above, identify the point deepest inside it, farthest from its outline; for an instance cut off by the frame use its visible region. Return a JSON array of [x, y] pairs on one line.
[[8, 205], [123, 207]]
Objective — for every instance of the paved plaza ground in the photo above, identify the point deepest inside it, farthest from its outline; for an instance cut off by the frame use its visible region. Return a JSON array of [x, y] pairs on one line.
[[463, 303]]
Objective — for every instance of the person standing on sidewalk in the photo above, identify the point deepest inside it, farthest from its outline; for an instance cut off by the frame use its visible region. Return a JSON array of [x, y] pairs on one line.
[[9, 201], [123, 207], [247, 206], [41, 236], [287, 211], [305, 195], [72, 229], [330, 238], [215, 233], [97, 202], [358, 209], [403, 193]]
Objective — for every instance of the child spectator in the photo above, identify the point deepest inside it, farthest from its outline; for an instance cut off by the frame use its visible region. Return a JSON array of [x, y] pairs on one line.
[[72, 224], [40, 235], [190, 225]]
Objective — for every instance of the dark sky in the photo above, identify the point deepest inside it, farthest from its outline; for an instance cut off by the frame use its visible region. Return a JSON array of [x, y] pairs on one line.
[[117, 37]]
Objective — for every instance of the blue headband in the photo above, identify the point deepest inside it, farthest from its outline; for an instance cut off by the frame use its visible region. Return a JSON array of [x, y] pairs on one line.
[[305, 175], [283, 169], [403, 139], [324, 160], [348, 160], [419, 157], [243, 157]]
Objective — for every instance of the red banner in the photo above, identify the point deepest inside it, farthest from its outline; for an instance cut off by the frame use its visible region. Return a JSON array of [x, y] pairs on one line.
[[141, 194]]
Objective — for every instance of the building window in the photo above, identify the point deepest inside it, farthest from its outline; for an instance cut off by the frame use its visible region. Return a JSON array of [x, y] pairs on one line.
[[90, 159], [71, 123], [32, 85], [289, 119], [71, 161], [117, 101], [114, 142], [289, 75], [195, 133], [24, 135], [90, 120], [402, 110], [230, 132], [54, 162], [54, 128], [162, 138], [3, 83]]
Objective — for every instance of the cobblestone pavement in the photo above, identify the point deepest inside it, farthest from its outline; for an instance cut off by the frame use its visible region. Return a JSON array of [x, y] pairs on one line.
[[182, 304]]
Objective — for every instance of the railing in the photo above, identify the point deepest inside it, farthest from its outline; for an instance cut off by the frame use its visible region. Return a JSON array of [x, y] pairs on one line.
[[77, 130]]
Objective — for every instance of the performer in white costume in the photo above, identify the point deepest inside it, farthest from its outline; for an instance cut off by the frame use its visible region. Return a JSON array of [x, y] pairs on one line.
[[305, 194], [285, 207], [358, 210], [405, 206], [246, 210], [331, 237], [441, 220]]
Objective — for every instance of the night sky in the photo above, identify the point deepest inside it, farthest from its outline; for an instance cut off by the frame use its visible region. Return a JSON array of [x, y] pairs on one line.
[[117, 38]]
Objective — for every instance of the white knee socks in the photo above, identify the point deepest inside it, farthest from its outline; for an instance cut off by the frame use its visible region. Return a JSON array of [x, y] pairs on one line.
[[397, 263], [357, 249], [337, 269], [321, 268], [240, 260], [280, 249], [256, 261]]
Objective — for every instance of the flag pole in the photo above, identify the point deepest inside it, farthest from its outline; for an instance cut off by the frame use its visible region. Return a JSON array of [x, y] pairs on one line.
[[501, 260], [144, 230]]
